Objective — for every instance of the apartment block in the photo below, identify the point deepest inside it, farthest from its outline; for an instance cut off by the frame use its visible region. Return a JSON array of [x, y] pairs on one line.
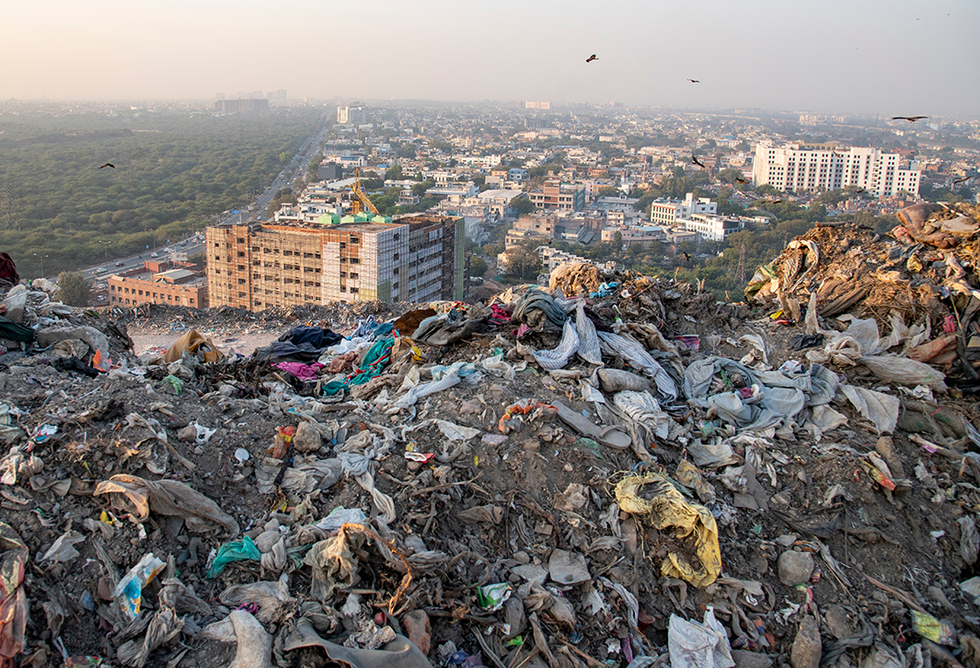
[[669, 211], [255, 266], [174, 283], [711, 227], [797, 168], [556, 196]]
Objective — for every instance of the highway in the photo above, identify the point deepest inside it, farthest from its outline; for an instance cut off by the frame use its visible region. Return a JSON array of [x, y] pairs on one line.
[[194, 243]]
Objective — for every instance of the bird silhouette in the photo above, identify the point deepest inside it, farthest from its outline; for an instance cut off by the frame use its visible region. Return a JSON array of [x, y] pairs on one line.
[[591, 58], [697, 162], [739, 179], [836, 154], [963, 180], [694, 80], [861, 190], [910, 119], [108, 164], [775, 201], [687, 256]]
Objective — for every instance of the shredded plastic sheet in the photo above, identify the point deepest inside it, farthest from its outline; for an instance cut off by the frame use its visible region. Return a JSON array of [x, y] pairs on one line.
[[138, 497], [333, 564], [13, 599], [668, 509], [425, 389], [559, 356], [696, 645], [882, 409], [642, 407], [640, 359], [588, 339]]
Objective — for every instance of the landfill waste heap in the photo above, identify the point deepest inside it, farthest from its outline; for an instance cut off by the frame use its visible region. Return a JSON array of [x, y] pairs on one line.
[[610, 470]]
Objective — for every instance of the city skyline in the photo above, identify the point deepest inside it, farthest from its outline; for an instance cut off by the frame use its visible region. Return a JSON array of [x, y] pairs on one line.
[[868, 57]]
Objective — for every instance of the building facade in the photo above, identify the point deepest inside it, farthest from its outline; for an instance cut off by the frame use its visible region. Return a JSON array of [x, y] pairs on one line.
[[795, 167], [416, 258], [711, 227], [174, 283], [555, 196], [669, 211]]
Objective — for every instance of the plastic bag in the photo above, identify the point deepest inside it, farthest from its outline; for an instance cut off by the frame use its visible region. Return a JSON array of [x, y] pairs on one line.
[[668, 508], [239, 550], [904, 371]]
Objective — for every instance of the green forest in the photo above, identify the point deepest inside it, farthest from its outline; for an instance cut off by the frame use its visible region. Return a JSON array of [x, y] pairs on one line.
[[173, 172]]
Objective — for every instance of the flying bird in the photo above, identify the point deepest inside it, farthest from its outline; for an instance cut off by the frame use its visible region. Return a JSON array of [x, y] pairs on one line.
[[108, 164], [687, 256], [697, 162], [963, 180], [591, 58], [910, 119], [775, 201], [739, 179], [861, 190], [694, 80], [836, 154]]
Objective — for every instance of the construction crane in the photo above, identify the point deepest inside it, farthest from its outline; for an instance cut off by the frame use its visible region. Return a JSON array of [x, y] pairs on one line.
[[360, 202]]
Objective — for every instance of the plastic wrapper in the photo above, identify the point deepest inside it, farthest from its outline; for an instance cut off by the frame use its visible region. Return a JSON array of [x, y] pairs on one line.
[[128, 594]]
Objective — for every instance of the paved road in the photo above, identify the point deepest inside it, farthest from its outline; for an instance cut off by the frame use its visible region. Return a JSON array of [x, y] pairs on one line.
[[190, 244]]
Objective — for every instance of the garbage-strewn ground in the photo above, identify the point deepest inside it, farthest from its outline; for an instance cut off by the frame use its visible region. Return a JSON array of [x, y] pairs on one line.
[[752, 489]]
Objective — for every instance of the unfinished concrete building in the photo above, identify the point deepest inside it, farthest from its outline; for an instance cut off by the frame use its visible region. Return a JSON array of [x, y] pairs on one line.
[[416, 258]]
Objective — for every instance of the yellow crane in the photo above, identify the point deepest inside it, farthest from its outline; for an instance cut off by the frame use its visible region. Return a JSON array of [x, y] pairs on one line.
[[360, 202]]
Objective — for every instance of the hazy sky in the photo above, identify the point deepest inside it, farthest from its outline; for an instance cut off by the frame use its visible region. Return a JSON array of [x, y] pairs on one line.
[[870, 56]]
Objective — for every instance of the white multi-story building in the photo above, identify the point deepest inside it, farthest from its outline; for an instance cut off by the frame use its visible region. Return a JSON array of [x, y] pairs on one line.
[[797, 168], [711, 227], [352, 115], [669, 211]]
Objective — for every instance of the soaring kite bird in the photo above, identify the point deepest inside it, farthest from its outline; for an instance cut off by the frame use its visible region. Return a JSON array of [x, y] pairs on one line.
[[108, 164], [739, 179], [963, 180], [694, 80], [697, 162], [910, 119], [591, 58]]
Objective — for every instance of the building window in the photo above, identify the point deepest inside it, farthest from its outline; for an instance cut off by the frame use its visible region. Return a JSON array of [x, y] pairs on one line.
[[240, 240], [355, 260], [343, 274], [343, 288], [355, 275], [355, 290], [241, 267], [316, 255], [241, 281], [217, 258], [241, 253], [355, 240]]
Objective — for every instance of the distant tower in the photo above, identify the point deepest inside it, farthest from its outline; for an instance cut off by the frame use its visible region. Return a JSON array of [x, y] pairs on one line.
[[740, 270]]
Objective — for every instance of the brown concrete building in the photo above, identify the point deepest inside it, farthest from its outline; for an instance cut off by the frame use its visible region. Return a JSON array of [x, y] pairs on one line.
[[557, 196], [416, 258], [175, 283]]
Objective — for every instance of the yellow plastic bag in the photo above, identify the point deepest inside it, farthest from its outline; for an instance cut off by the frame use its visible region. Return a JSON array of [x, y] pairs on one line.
[[667, 508], [195, 344]]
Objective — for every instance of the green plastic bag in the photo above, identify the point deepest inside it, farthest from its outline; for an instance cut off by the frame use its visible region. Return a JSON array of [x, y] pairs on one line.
[[237, 550]]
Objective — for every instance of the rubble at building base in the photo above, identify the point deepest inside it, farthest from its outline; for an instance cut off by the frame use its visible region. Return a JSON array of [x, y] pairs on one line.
[[612, 470]]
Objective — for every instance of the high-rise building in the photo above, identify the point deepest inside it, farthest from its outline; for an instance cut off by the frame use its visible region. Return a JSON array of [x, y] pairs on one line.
[[797, 167], [416, 258], [352, 115], [246, 104]]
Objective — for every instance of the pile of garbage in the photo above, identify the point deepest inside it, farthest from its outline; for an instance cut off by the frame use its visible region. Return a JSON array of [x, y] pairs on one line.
[[923, 274], [615, 472]]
